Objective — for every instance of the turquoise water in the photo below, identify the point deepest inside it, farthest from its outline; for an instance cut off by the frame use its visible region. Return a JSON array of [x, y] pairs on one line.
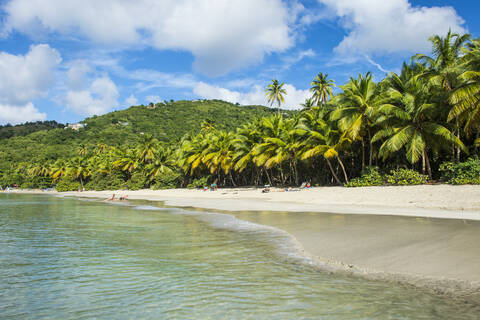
[[75, 259]]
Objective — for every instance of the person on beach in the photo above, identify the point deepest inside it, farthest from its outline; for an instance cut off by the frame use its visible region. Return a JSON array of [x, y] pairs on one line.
[[125, 197], [111, 199]]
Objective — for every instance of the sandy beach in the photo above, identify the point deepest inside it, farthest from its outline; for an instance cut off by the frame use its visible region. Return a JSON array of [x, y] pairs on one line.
[[390, 233]]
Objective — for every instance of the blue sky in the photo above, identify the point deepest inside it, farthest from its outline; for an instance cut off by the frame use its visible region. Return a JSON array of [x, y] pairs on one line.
[[65, 60]]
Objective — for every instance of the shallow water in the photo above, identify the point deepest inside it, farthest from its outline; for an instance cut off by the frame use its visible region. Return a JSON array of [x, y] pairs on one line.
[[74, 259]]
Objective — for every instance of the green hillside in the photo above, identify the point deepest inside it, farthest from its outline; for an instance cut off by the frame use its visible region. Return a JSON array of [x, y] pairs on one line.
[[167, 122], [8, 131]]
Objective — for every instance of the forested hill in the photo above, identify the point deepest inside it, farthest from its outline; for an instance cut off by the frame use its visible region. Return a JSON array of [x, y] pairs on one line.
[[167, 122], [8, 131]]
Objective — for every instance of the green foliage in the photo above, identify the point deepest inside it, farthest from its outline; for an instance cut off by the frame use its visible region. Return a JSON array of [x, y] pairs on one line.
[[199, 183], [168, 180], [137, 181], [467, 172], [8, 131], [114, 180], [67, 184], [406, 177], [371, 177]]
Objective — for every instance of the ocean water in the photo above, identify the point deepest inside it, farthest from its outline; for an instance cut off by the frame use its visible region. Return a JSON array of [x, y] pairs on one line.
[[81, 259]]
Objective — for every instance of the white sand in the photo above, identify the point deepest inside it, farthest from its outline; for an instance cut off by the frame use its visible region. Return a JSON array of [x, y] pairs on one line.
[[438, 201]]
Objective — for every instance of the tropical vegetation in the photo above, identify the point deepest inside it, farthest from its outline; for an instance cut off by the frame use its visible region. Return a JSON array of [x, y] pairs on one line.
[[420, 124]]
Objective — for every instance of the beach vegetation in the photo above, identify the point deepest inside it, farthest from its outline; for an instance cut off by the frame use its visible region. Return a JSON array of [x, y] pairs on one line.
[[425, 118]]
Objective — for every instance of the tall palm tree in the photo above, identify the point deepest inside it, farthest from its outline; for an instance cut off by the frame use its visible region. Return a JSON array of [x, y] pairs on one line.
[[220, 153], [409, 122], [78, 168], [163, 163], [358, 108], [466, 98], [59, 169], [146, 149], [321, 139], [275, 93], [322, 88], [443, 71]]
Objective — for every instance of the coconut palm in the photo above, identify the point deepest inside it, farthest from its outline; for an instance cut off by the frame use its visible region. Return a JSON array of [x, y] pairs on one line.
[[309, 103], [59, 169], [466, 98], [275, 93], [409, 122], [321, 139], [146, 149], [78, 168], [358, 108], [219, 155], [163, 163], [322, 88]]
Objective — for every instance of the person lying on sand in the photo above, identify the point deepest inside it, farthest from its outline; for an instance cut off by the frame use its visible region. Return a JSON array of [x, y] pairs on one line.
[[125, 197]]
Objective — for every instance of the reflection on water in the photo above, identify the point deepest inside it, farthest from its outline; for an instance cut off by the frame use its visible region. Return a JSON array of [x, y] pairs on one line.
[[70, 259]]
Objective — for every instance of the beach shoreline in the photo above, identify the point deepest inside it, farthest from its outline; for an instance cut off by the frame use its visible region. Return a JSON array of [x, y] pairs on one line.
[[417, 235]]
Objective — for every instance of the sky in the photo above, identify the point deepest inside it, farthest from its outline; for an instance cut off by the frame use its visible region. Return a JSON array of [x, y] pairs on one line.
[[65, 60]]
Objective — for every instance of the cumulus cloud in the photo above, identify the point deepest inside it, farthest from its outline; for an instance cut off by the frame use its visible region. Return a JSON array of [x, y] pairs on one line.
[[19, 114], [26, 77], [256, 96], [223, 35], [131, 101], [99, 98], [379, 26]]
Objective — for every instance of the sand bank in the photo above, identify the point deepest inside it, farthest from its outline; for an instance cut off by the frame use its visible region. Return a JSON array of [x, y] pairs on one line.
[[388, 232]]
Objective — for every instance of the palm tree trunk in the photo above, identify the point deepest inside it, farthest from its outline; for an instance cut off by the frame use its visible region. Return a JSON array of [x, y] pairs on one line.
[[295, 170], [458, 148], [333, 172], [423, 161], [429, 169], [268, 176], [363, 155], [231, 178], [343, 168], [370, 157]]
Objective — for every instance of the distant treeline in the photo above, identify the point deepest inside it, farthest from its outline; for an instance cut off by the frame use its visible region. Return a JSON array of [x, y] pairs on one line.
[[20, 130]]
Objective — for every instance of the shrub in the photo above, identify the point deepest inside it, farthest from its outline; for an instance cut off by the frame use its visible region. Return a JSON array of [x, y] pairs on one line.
[[406, 177], [137, 181], [198, 183], [166, 181], [66, 184], [370, 177], [467, 172], [111, 181]]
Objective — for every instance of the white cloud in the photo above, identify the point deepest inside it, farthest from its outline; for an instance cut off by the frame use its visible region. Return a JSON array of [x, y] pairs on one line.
[[256, 96], [26, 77], [223, 35], [131, 101], [153, 99], [100, 97], [76, 74], [379, 26], [19, 114]]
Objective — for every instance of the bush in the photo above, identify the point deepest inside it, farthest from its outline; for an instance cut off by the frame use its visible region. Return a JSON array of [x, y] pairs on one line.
[[166, 181], [467, 172], [370, 177], [66, 184], [406, 177], [137, 181], [198, 183], [112, 181]]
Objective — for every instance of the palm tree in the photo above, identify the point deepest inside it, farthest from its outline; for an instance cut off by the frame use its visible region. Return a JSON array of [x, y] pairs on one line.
[[443, 70], [409, 121], [78, 168], [466, 98], [220, 153], [309, 103], [275, 93], [358, 109], [127, 161], [163, 163], [59, 169], [321, 139], [146, 149], [322, 88]]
